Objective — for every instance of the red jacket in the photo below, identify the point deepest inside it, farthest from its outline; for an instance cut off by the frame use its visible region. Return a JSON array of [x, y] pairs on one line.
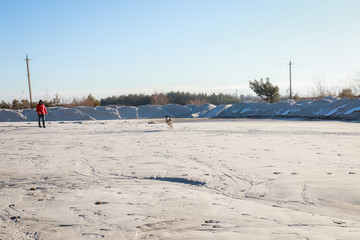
[[41, 109]]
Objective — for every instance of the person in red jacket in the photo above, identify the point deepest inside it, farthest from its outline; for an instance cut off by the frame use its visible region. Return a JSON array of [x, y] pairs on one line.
[[41, 111]]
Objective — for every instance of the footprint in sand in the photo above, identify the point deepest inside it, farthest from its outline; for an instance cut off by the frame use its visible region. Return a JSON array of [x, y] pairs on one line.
[[15, 218], [100, 203], [210, 223], [338, 222]]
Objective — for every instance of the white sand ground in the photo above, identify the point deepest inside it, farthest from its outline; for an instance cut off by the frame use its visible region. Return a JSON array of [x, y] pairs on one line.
[[242, 179]]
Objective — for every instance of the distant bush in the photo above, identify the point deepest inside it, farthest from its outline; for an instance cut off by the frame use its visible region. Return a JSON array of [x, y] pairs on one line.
[[159, 99], [16, 104], [5, 105], [89, 101], [347, 93], [321, 90]]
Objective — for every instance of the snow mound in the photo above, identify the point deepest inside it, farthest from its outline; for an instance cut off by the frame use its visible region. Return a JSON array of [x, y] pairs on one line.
[[191, 106], [29, 114], [152, 111], [327, 108], [244, 110], [100, 113], [11, 116], [200, 111], [126, 112], [66, 114], [215, 112], [177, 111]]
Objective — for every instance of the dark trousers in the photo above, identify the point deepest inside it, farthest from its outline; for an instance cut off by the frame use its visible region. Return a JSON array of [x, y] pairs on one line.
[[43, 119]]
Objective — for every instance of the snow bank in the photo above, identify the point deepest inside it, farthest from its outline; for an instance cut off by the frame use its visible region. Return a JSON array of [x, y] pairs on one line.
[[200, 111], [214, 112], [127, 112], [29, 114], [327, 108], [66, 114], [10, 116], [177, 111], [101, 113], [244, 110], [152, 111]]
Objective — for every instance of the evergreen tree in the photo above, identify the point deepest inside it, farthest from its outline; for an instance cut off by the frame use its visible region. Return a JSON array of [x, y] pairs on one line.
[[56, 100], [265, 90], [4, 104], [15, 104]]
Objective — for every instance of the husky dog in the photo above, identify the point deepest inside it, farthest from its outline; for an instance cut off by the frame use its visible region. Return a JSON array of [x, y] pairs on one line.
[[168, 121]]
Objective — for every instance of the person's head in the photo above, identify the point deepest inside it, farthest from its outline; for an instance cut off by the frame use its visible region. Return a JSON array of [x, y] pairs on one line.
[[41, 102]]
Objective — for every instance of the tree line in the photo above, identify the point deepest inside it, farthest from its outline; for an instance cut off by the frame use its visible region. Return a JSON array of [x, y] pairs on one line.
[[181, 98], [90, 101], [265, 91]]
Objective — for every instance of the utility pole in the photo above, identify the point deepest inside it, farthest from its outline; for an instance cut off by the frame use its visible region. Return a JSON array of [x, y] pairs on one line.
[[28, 73], [290, 63]]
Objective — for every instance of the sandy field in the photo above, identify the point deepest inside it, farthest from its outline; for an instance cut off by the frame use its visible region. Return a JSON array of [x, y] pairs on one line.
[[220, 179]]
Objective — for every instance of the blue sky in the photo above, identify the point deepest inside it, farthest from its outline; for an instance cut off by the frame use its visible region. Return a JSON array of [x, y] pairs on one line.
[[144, 46]]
